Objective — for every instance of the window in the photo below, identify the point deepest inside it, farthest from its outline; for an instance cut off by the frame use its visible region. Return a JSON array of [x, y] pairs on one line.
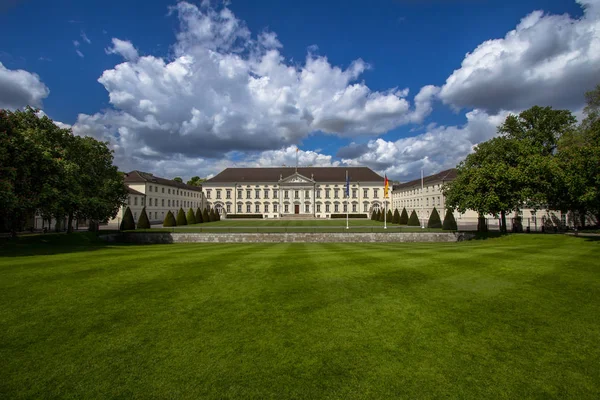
[[162, 202], [143, 201], [318, 208], [366, 207], [438, 200], [296, 194], [375, 193], [307, 194], [248, 192], [366, 193], [266, 193], [168, 203], [275, 207], [353, 208], [336, 208], [257, 193], [239, 208], [427, 201], [239, 194], [287, 208], [257, 208], [345, 207], [228, 208], [286, 194], [326, 207], [248, 208], [169, 191], [306, 208], [218, 194], [318, 193], [228, 194], [135, 201], [354, 193], [149, 188], [336, 193], [275, 193], [163, 190], [177, 203], [208, 194], [266, 208], [327, 191]]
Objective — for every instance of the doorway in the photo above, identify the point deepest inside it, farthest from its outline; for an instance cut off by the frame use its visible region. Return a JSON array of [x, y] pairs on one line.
[[297, 209]]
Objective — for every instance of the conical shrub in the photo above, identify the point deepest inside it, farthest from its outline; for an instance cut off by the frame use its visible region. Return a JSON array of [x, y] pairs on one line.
[[380, 216], [449, 221], [191, 218], [198, 216], [169, 220], [389, 216], [128, 224], [205, 216], [181, 220], [217, 215], [413, 220], [396, 219], [403, 217], [374, 216], [434, 220], [143, 221], [211, 215]]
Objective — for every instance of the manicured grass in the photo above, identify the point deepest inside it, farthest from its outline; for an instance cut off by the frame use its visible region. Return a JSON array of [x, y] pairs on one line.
[[512, 317]]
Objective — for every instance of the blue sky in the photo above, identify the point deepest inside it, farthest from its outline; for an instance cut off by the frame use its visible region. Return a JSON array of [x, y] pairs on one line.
[[188, 88]]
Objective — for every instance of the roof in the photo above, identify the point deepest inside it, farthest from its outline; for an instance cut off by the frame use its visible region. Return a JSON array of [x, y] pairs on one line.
[[444, 176], [139, 176], [133, 191], [318, 174]]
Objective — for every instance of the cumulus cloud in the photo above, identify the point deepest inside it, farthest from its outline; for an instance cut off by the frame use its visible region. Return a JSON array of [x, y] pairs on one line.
[[21, 88], [225, 90], [546, 60], [124, 48]]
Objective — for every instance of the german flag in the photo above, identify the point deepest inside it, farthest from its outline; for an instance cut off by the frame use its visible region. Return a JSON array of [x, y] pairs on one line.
[[386, 185]]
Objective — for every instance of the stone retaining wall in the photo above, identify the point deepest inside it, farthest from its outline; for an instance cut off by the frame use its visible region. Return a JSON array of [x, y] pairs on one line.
[[405, 237]]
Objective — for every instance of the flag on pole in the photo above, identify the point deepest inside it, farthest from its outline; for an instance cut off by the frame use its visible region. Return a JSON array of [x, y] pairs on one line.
[[386, 185], [347, 185]]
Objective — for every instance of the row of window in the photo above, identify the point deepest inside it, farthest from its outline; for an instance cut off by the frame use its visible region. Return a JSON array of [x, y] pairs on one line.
[[286, 208], [286, 193], [175, 191], [419, 202], [154, 202], [420, 191]]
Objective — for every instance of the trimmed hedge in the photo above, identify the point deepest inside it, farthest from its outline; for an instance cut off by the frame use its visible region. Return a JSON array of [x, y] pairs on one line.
[[181, 220], [205, 216], [434, 220], [380, 216], [211, 215], [240, 216], [389, 216], [396, 219], [198, 216], [413, 220], [374, 216], [191, 218], [403, 217], [449, 221], [128, 224], [349, 216], [217, 215], [143, 221], [169, 220]]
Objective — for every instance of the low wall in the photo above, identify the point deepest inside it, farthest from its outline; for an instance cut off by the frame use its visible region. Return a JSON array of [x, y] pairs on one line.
[[404, 237]]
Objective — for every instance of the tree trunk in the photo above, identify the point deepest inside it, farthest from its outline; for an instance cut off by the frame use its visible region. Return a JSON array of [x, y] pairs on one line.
[[503, 222], [70, 222], [582, 215]]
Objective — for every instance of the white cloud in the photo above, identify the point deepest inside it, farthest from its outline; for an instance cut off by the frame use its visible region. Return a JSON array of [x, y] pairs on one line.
[[21, 88], [79, 53], [547, 60], [85, 38], [124, 48]]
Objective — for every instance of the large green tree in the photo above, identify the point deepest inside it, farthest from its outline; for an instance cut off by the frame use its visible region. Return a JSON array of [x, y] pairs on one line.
[[196, 181]]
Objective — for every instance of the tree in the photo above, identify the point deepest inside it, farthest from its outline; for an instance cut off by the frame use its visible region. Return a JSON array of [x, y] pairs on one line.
[[191, 217], [449, 221], [396, 219], [389, 216], [374, 216], [211, 215], [181, 218], [413, 220], [128, 224], [178, 179], [434, 219], [380, 215], [198, 216], [196, 181], [169, 220], [143, 221], [205, 216], [217, 215], [403, 217]]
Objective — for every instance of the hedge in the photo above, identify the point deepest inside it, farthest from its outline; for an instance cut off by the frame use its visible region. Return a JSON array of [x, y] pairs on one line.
[[181, 218], [349, 216], [380, 216], [413, 220], [389, 216], [169, 220], [198, 216], [403, 217], [143, 221], [449, 221], [396, 219], [205, 216], [128, 224], [240, 216], [434, 220], [191, 218]]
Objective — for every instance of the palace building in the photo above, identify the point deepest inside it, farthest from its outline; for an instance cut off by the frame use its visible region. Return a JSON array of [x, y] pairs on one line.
[[309, 192]]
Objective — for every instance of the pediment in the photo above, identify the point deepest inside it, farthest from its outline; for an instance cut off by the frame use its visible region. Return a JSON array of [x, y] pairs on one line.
[[296, 178]]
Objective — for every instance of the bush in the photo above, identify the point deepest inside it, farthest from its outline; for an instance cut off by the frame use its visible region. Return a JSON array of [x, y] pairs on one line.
[[169, 220], [191, 218], [128, 224], [389, 216], [413, 220], [349, 216], [403, 217], [449, 221], [374, 216], [211, 215], [434, 219], [396, 219], [181, 218], [143, 221], [380, 215], [198, 216], [205, 216], [240, 216], [217, 216]]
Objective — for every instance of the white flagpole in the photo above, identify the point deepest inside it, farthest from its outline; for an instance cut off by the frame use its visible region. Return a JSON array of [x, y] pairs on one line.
[[422, 210], [385, 208], [347, 195]]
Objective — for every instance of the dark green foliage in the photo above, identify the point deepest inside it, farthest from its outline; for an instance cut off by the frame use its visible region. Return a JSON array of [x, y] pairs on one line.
[[198, 216], [143, 221], [217, 215], [374, 216], [245, 216], [191, 217], [169, 220], [364, 216], [211, 215], [481, 224], [181, 220], [380, 216], [396, 219], [389, 216], [128, 224], [449, 221], [403, 217], [413, 220], [434, 219], [205, 215]]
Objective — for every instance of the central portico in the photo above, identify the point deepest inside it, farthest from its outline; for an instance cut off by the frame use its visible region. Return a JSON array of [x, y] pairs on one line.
[[309, 192]]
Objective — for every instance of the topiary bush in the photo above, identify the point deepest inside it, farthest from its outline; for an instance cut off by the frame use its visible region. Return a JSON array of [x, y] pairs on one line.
[[403, 217], [198, 216], [205, 216], [396, 219], [389, 216], [191, 218], [128, 224], [434, 219], [374, 216], [380, 216], [449, 221], [143, 221], [181, 220], [217, 216], [169, 220], [413, 220]]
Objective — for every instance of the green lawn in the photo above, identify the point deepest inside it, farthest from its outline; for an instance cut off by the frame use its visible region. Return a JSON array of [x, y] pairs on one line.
[[512, 317]]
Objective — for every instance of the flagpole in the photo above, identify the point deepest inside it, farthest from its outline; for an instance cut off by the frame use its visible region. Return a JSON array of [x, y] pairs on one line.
[[422, 211], [385, 207], [347, 195]]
